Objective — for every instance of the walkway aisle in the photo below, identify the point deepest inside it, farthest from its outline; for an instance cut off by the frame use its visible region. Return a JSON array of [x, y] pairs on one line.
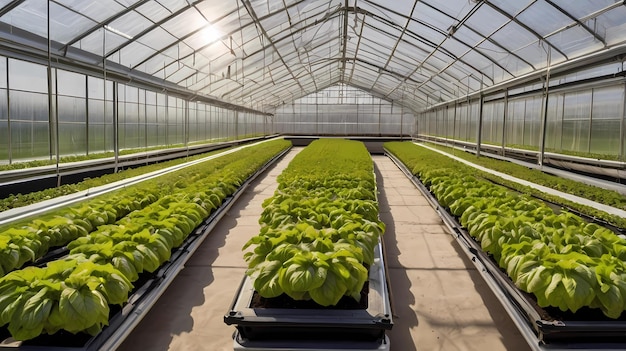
[[440, 301], [189, 315]]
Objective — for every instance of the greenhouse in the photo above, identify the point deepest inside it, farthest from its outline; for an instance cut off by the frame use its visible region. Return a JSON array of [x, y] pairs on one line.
[[312, 175]]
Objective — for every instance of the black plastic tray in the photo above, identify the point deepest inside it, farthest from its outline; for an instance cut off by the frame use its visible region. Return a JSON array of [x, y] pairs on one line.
[[267, 326]]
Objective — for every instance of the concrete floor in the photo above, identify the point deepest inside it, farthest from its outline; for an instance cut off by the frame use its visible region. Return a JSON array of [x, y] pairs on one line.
[[440, 302]]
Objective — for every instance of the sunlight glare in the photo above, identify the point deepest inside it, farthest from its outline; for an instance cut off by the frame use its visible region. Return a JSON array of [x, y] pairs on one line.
[[211, 34]]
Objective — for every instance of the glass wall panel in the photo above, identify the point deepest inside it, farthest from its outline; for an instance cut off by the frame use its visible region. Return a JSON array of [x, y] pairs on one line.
[[441, 129], [195, 130], [4, 126], [340, 110], [532, 123], [461, 122], [70, 83], [575, 135], [100, 123], [493, 114], [4, 113], [515, 122], [30, 137], [161, 120], [606, 116], [576, 117], [128, 117], [72, 125], [27, 76], [554, 123], [473, 118], [3, 72]]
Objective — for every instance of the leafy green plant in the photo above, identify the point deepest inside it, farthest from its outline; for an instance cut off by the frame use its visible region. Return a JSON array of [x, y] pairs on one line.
[[74, 293], [564, 261], [19, 200], [319, 230], [415, 156], [607, 197], [71, 294]]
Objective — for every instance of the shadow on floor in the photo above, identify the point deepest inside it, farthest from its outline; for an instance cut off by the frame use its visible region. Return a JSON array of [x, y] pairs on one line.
[[512, 339]]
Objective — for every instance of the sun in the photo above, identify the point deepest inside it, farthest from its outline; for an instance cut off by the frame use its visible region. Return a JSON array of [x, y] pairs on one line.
[[211, 34]]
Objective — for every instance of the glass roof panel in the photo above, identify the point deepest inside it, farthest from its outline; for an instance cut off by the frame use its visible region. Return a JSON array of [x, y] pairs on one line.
[[400, 67], [400, 10], [276, 25], [200, 38], [135, 52], [582, 8], [478, 60], [174, 5], [127, 3], [486, 20], [32, 16], [537, 54], [97, 10], [513, 37], [411, 53], [65, 24], [543, 19], [468, 36], [186, 22], [153, 11], [179, 73], [157, 38], [575, 41], [453, 8], [232, 24], [94, 41], [425, 33], [158, 62], [612, 25], [454, 47], [214, 10], [130, 24], [262, 7], [514, 7], [217, 51], [428, 15], [505, 59], [242, 50]]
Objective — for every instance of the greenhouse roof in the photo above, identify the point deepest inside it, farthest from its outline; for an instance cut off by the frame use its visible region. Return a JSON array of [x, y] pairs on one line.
[[261, 54]]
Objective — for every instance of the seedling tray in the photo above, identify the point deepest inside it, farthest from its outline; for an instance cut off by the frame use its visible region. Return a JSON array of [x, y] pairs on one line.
[[302, 325]]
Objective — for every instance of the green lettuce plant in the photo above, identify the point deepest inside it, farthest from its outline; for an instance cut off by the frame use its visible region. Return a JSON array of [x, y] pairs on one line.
[[566, 262], [74, 293], [319, 230]]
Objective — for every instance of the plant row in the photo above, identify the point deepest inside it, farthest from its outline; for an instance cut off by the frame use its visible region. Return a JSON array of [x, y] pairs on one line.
[[19, 200], [604, 196], [320, 228], [74, 293], [93, 156], [29, 240], [564, 261]]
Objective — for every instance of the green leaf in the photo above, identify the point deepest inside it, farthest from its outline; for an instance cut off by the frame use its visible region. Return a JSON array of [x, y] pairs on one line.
[[302, 273], [331, 291], [81, 309], [266, 279]]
